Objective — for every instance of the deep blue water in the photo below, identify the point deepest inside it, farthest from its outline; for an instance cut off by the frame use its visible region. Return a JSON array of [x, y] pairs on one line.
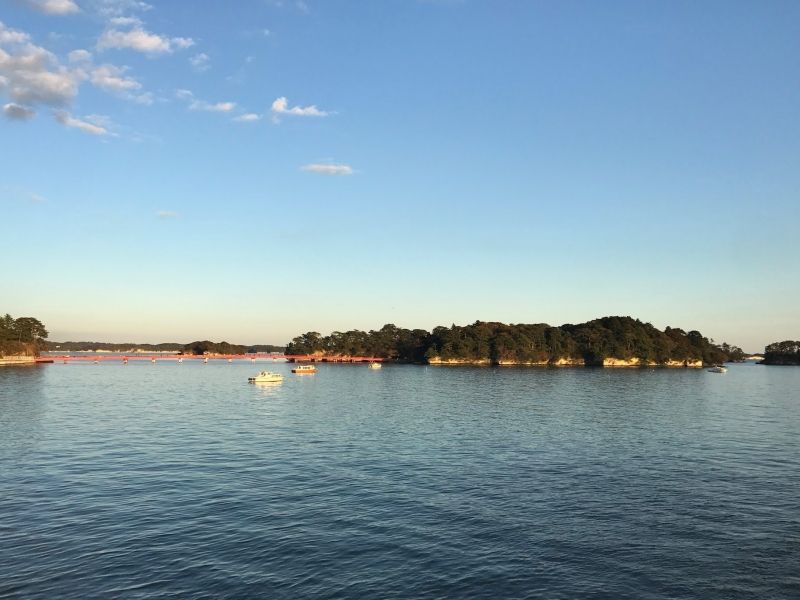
[[183, 481]]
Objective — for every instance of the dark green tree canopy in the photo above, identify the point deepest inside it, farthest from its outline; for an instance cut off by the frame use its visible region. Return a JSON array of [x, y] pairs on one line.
[[21, 335], [782, 353]]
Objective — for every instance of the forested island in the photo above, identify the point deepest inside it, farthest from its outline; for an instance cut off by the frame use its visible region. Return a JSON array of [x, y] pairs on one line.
[[782, 353], [609, 341], [21, 339]]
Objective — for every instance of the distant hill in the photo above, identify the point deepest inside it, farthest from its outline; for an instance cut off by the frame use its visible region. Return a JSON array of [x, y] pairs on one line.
[[212, 347]]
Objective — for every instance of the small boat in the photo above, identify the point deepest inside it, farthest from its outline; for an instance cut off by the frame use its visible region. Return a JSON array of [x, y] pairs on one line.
[[374, 365], [718, 369], [266, 377], [304, 369]]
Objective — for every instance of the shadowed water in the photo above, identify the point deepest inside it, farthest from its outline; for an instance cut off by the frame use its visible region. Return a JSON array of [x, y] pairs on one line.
[[183, 480]]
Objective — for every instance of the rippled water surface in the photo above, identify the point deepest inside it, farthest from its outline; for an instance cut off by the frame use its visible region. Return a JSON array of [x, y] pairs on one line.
[[183, 480]]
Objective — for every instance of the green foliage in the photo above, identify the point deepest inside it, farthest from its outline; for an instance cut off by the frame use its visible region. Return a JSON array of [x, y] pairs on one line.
[[782, 353], [609, 337], [23, 335]]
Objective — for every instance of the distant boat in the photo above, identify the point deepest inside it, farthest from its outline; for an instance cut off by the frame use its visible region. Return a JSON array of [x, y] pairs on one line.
[[266, 377], [718, 369], [305, 369], [374, 365]]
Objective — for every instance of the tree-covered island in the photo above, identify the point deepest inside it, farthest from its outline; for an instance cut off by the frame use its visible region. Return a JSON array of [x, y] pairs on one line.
[[782, 353], [609, 341], [21, 339]]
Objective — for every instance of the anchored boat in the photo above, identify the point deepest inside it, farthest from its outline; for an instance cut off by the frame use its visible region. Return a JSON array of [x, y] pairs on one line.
[[266, 377], [718, 369], [304, 369]]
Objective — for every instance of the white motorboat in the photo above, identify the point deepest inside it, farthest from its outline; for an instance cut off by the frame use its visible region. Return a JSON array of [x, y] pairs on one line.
[[718, 369], [374, 365], [266, 377], [304, 369]]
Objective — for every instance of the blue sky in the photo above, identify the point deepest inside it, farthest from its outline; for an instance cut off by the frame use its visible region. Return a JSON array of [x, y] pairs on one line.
[[184, 170]]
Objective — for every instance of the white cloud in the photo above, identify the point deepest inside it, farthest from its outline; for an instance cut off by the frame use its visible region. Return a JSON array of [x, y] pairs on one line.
[[167, 214], [79, 56], [247, 118], [93, 125], [200, 62], [328, 169], [53, 7], [12, 36], [281, 107], [140, 40], [195, 104], [32, 75], [17, 112]]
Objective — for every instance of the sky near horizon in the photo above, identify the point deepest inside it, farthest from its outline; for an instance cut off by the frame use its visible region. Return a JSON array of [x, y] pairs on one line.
[[250, 171]]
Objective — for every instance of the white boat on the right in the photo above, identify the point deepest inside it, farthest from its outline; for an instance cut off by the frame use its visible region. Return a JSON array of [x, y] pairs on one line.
[[718, 369]]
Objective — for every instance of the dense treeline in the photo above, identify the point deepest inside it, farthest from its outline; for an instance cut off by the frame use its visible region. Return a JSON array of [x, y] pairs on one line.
[[24, 335], [782, 353], [165, 347], [610, 337]]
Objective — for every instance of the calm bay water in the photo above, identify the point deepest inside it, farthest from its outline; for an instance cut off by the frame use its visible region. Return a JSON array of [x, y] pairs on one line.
[[182, 480]]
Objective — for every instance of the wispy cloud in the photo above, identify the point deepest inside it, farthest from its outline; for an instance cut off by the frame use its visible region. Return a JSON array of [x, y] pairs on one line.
[[17, 112], [167, 214], [247, 118], [116, 8], [200, 62], [196, 104], [139, 39], [280, 107], [328, 169], [20, 194], [113, 79], [53, 7], [93, 124]]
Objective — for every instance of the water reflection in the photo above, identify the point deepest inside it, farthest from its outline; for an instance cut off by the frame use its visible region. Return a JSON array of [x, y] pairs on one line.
[[268, 389], [22, 408]]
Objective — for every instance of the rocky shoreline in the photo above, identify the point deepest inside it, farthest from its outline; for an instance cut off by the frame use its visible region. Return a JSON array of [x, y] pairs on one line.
[[6, 361], [569, 362]]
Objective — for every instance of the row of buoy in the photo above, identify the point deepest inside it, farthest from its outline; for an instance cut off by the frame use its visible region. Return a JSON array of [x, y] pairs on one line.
[[96, 361]]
